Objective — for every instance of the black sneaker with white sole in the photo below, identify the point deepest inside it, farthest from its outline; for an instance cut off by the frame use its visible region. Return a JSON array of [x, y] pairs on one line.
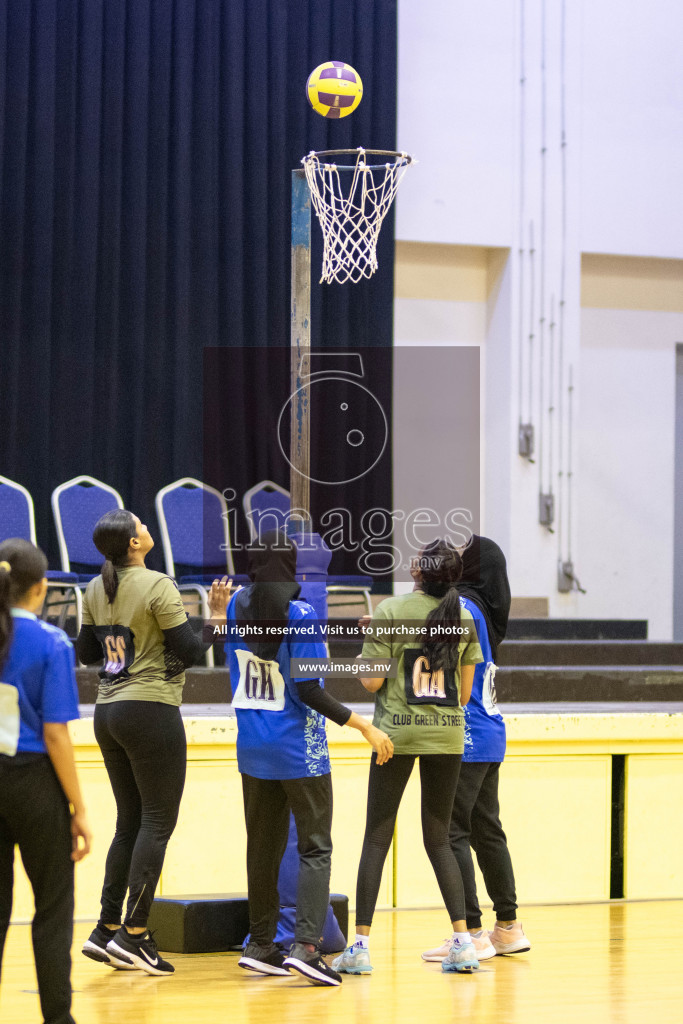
[[95, 947], [263, 959], [311, 966], [140, 951]]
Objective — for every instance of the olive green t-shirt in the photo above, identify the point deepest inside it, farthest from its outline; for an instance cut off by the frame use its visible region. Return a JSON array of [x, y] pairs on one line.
[[420, 711], [138, 663]]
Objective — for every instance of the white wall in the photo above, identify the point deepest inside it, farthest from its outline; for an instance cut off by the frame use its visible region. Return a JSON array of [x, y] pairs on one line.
[[613, 83], [436, 450], [441, 302], [626, 454], [456, 115], [632, 127]]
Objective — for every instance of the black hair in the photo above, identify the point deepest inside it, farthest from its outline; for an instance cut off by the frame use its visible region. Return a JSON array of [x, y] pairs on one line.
[[441, 568], [112, 536], [27, 565]]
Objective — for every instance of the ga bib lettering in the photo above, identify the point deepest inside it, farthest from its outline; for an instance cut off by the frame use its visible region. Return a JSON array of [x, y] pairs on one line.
[[261, 685], [422, 686]]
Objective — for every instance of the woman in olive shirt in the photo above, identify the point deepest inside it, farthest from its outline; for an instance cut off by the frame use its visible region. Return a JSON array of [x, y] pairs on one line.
[[135, 623], [421, 710]]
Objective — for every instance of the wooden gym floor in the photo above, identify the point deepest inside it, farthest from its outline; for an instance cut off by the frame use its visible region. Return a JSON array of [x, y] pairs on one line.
[[589, 964]]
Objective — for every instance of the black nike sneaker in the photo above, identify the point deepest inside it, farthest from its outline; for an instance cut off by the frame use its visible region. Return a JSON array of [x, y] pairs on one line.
[[139, 951], [263, 959], [95, 947], [311, 965]]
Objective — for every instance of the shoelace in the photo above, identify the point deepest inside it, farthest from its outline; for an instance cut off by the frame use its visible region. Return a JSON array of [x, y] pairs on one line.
[[148, 938]]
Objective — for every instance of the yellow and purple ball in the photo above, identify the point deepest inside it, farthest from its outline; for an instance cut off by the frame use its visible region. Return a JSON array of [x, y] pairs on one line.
[[334, 89]]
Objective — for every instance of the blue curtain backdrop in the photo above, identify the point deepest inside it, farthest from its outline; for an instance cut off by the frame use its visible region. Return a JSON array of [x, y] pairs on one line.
[[146, 149]]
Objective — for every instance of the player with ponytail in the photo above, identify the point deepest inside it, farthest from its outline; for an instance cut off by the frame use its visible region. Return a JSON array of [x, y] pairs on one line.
[[435, 645], [113, 534], [485, 592], [41, 807], [439, 572], [135, 626]]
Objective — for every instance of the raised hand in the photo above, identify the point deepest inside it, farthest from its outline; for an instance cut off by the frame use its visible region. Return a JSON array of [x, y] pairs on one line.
[[219, 596]]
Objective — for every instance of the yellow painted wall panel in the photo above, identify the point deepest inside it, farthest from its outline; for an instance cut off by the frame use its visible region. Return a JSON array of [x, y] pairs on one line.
[[556, 814], [555, 800], [350, 782], [452, 273], [653, 839], [102, 814], [207, 851], [456, 273], [631, 282]]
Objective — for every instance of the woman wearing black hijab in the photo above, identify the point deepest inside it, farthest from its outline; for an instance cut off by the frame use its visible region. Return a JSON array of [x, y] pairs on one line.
[[485, 591], [282, 756]]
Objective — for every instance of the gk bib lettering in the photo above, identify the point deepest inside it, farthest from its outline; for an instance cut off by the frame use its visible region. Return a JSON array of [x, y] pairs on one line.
[[261, 684]]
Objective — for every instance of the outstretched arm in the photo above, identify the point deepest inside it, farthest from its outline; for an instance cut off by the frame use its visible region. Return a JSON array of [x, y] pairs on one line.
[[311, 693]]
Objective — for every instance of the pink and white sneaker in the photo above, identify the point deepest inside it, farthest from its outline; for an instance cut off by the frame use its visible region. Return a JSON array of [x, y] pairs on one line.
[[510, 939], [439, 953], [483, 945]]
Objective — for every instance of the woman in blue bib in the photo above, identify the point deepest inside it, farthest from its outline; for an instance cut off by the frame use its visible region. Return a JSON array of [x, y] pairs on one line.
[[283, 757], [41, 807]]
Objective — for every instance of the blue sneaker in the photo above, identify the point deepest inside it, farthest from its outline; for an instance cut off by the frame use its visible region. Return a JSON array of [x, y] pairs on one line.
[[462, 959], [354, 960]]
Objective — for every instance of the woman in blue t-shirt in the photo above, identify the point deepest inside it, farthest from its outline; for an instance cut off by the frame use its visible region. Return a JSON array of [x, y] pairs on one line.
[[41, 807], [283, 757]]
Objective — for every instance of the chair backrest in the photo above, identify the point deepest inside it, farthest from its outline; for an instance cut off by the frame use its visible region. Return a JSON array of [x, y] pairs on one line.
[[266, 507], [193, 519], [76, 506], [17, 518]]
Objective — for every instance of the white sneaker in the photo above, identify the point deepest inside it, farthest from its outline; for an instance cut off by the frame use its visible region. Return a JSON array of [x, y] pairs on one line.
[[462, 959], [354, 960]]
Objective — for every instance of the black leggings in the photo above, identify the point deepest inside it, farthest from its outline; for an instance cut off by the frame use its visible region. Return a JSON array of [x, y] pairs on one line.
[[145, 753], [476, 823], [438, 779]]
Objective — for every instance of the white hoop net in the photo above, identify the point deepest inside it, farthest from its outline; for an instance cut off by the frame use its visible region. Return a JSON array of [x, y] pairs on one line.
[[351, 201]]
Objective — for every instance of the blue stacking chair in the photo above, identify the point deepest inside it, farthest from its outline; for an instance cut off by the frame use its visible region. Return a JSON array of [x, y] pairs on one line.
[[266, 507], [17, 519], [76, 506], [195, 534]]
